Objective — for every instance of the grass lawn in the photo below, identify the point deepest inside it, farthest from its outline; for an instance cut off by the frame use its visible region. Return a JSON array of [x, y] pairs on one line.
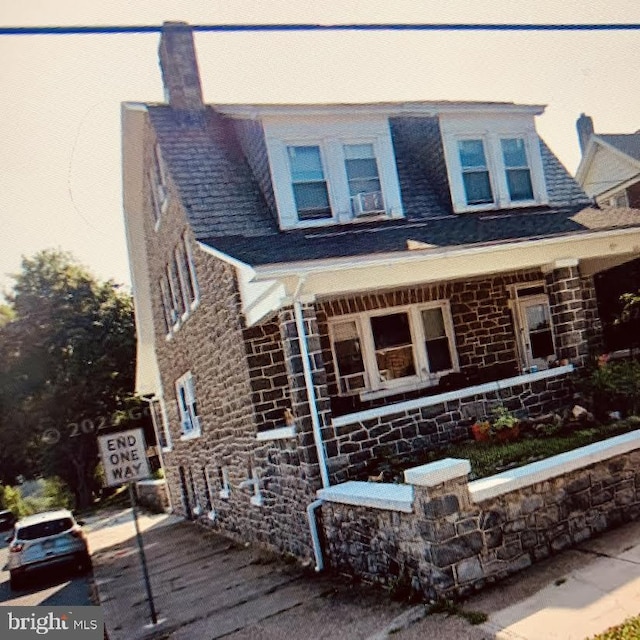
[[628, 630], [490, 457]]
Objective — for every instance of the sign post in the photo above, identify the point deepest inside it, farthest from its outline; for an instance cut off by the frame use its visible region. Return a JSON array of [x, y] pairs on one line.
[[124, 458]]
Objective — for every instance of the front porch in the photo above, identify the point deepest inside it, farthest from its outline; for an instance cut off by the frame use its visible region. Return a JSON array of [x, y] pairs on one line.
[[362, 439]]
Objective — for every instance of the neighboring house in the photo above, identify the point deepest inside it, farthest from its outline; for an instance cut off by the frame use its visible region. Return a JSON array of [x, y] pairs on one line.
[[609, 170], [322, 286]]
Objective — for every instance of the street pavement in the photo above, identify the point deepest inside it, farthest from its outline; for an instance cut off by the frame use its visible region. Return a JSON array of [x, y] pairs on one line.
[[207, 587]]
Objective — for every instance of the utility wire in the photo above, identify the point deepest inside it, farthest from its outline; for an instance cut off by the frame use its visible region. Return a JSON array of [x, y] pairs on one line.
[[230, 28]]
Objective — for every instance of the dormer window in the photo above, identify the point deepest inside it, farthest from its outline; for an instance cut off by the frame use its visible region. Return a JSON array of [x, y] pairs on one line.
[[363, 178], [309, 184], [475, 172], [514, 155], [493, 162], [332, 171]]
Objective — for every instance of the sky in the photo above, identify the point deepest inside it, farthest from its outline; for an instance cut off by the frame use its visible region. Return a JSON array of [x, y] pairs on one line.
[[60, 162]]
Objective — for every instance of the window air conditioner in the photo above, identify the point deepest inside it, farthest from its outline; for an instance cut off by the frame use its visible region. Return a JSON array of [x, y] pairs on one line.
[[363, 204]]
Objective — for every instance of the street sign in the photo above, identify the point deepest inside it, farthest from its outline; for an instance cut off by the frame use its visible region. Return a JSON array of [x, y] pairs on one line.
[[124, 457]]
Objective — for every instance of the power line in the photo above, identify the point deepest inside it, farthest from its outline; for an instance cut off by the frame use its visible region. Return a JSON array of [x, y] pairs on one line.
[[231, 28]]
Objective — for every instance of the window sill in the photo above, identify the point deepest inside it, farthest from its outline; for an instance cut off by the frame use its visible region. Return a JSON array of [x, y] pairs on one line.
[[191, 435], [224, 494], [407, 388], [282, 433], [166, 449]]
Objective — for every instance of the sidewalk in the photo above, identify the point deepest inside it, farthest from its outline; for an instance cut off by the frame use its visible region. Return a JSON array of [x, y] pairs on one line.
[[206, 587]]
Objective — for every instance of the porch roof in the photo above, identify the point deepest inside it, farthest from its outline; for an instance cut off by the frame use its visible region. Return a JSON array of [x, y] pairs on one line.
[[448, 231], [378, 257]]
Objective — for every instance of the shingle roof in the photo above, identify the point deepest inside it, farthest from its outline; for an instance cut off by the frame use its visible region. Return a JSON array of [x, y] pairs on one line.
[[228, 210], [449, 231], [628, 143], [215, 182]]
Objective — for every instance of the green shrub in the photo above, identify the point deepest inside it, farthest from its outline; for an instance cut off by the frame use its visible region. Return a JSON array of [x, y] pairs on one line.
[[613, 386]]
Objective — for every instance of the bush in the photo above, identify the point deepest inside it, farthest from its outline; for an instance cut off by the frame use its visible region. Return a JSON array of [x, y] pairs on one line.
[[12, 500], [613, 386]]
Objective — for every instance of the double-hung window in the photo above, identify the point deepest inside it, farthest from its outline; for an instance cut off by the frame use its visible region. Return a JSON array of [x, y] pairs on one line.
[[309, 184], [475, 172], [516, 166], [365, 190], [187, 406], [402, 347]]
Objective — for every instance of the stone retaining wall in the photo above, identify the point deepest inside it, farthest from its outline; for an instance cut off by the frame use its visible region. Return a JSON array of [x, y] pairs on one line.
[[153, 494], [461, 536], [356, 444]]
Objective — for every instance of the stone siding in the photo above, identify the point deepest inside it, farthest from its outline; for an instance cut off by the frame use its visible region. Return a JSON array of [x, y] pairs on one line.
[[232, 368], [452, 546], [362, 444]]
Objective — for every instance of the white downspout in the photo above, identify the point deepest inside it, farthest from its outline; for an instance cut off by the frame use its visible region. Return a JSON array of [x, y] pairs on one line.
[[315, 421], [311, 394], [315, 538]]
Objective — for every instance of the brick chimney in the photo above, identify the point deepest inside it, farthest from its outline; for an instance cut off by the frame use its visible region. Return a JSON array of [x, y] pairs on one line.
[[584, 125], [179, 67]]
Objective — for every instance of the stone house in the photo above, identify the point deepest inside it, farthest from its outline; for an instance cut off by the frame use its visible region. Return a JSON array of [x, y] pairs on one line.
[[319, 287]]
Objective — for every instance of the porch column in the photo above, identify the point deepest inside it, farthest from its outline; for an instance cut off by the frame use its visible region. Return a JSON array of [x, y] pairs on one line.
[[567, 310], [297, 387], [595, 338]]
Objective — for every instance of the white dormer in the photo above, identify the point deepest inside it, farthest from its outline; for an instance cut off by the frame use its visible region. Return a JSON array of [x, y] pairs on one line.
[[493, 161], [332, 169]]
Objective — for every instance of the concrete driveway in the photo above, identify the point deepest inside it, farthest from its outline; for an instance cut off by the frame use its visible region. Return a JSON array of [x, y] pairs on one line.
[[206, 587]]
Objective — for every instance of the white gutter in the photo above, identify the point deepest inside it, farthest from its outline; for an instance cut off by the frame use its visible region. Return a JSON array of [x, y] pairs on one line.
[[315, 538], [311, 394]]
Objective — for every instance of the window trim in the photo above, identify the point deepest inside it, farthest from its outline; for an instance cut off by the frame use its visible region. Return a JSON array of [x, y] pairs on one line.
[[423, 376], [186, 382]]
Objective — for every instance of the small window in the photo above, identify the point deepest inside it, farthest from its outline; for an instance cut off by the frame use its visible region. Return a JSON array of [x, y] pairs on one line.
[[436, 340], [348, 357], [517, 170], [175, 295], [187, 406], [309, 185], [475, 172], [160, 424], [159, 192], [169, 313]]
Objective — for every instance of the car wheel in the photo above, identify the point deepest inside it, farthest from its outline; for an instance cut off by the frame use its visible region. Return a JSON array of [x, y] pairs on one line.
[[84, 563], [15, 580]]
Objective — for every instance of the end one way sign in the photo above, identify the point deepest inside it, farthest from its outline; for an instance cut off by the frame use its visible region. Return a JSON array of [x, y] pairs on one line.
[[124, 457]]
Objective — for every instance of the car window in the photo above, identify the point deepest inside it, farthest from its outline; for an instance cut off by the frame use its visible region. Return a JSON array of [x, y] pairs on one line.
[[43, 529]]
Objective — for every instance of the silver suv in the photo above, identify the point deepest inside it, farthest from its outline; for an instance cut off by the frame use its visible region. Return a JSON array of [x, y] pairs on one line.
[[44, 540]]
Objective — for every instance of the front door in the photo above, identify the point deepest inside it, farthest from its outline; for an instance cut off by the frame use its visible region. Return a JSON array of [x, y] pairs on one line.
[[533, 318]]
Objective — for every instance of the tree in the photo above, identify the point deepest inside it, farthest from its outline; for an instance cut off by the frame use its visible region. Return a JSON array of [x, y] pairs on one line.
[[66, 366]]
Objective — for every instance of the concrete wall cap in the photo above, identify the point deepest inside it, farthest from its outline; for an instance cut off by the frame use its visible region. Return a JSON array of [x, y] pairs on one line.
[[435, 473], [378, 495]]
